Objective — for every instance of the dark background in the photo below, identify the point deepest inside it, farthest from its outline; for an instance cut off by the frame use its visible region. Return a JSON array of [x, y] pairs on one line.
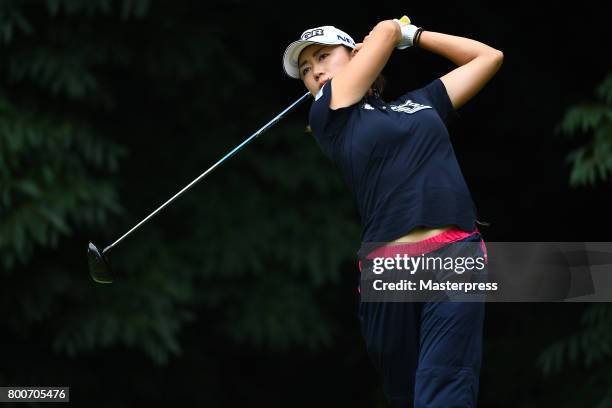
[[243, 291]]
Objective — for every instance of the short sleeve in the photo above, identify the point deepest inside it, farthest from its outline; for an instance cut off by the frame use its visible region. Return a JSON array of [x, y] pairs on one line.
[[324, 121], [435, 94]]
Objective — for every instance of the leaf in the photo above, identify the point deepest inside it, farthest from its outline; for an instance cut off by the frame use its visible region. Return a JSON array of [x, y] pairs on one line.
[[28, 187]]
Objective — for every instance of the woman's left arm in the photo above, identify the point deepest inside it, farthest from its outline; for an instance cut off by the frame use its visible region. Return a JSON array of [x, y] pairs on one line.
[[477, 63]]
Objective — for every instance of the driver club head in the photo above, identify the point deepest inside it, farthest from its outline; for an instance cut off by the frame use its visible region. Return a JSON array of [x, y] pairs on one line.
[[99, 265]]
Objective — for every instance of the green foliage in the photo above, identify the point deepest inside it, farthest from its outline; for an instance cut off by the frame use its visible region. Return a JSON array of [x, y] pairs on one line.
[[144, 310], [45, 182], [604, 90], [273, 232], [592, 161], [589, 348], [56, 164], [12, 19], [129, 8], [250, 257]]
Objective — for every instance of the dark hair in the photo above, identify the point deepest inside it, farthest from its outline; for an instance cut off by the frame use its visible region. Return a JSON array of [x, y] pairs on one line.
[[379, 85]]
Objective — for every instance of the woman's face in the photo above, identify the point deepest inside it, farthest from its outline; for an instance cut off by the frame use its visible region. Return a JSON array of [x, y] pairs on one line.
[[318, 63]]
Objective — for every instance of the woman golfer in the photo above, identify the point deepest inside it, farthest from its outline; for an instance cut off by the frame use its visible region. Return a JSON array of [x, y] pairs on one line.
[[398, 161]]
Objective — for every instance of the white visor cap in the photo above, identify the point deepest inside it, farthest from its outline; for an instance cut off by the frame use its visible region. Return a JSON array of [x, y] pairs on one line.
[[328, 35]]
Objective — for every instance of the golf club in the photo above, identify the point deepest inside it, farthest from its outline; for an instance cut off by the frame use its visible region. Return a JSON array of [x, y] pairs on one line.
[[99, 263]]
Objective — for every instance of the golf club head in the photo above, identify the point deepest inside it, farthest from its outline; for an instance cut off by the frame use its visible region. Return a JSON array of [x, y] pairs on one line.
[[99, 265]]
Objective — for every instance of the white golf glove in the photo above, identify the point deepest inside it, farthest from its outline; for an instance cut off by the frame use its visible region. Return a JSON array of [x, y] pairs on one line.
[[408, 32]]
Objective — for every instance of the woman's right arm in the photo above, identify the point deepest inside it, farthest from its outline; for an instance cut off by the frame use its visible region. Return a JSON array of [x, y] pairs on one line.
[[477, 63], [356, 78]]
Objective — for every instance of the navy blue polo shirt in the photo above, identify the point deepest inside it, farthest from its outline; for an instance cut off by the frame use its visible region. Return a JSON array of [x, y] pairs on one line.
[[397, 159]]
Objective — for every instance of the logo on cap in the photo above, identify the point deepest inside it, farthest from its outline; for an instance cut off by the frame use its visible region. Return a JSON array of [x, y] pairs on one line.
[[312, 33], [347, 39]]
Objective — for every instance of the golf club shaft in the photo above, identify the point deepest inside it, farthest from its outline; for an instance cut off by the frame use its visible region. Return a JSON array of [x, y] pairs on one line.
[[254, 135]]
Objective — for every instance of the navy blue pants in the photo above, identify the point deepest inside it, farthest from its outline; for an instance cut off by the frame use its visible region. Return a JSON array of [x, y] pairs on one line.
[[427, 354]]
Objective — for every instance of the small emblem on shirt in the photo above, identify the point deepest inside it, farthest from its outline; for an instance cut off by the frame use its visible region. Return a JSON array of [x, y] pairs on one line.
[[367, 106], [409, 107]]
